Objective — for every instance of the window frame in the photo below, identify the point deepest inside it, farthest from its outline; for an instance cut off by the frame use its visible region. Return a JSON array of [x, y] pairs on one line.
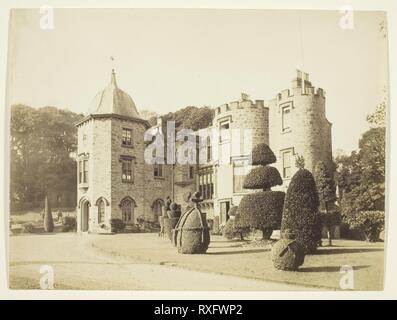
[[286, 124], [158, 167], [101, 215], [284, 168], [126, 139], [222, 130], [125, 161], [244, 165]]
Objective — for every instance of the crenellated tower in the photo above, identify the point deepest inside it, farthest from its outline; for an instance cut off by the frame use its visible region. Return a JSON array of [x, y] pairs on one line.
[[299, 127]]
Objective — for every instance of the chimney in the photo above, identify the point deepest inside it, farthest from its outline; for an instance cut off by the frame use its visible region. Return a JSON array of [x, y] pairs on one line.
[[304, 79], [297, 82]]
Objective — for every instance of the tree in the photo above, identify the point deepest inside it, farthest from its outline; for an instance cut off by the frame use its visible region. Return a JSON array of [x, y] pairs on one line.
[[300, 213], [150, 116], [41, 143], [325, 186], [191, 117], [361, 176], [327, 197], [378, 118], [367, 181], [262, 210], [48, 222]]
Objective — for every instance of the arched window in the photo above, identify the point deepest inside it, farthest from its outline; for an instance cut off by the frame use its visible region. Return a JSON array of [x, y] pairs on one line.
[[101, 211], [157, 209], [127, 210]]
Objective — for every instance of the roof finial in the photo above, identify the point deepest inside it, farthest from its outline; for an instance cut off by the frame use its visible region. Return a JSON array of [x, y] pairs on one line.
[[113, 79]]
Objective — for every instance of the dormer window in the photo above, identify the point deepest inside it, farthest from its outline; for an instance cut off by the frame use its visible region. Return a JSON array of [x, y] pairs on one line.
[[126, 138]]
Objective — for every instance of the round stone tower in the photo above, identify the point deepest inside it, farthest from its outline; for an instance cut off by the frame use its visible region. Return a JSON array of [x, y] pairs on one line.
[[242, 125], [239, 126], [299, 132]]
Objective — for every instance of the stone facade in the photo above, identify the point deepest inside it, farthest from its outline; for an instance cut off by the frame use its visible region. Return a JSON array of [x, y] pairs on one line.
[[294, 124], [299, 128]]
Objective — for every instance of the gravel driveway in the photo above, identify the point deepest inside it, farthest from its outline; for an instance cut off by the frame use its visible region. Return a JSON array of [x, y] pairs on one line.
[[78, 265]]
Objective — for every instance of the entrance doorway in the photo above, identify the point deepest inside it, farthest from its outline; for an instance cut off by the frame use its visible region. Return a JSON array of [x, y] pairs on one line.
[[85, 213], [224, 211], [157, 210]]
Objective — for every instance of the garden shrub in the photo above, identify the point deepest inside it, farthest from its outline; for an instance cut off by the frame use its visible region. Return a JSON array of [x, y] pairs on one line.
[[232, 211], [262, 155], [242, 231], [330, 215], [261, 210], [287, 254], [48, 221], [228, 230], [300, 213], [117, 225], [263, 178], [69, 224], [28, 227], [371, 223], [233, 231], [331, 218]]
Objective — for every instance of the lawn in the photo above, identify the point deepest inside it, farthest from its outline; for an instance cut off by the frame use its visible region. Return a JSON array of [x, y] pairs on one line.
[[321, 270]]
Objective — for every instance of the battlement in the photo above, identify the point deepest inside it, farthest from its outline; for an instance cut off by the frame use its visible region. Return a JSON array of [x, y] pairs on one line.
[[300, 85], [244, 103]]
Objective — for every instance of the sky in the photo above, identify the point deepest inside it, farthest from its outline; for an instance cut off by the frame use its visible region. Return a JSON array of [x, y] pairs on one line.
[[167, 59]]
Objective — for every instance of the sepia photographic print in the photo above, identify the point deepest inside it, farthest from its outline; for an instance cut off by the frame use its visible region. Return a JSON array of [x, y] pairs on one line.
[[196, 149]]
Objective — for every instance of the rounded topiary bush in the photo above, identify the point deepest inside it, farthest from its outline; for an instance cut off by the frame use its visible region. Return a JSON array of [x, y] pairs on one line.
[[261, 210], [233, 231], [300, 213], [287, 254], [228, 231], [262, 178]]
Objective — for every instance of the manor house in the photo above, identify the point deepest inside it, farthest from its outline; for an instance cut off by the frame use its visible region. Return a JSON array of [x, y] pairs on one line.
[[115, 180]]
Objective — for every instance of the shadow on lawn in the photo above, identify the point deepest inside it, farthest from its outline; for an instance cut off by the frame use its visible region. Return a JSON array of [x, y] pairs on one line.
[[237, 252], [325, 251], [328, 268]]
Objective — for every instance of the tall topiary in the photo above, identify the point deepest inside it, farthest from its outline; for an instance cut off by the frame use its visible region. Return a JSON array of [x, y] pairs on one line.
[[300, 214], [330, 215], [262, 210], [48, 221]]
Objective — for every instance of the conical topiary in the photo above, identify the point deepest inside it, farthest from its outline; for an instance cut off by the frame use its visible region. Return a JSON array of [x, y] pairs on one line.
[[48, 221], [262, 210], [300, 213]]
